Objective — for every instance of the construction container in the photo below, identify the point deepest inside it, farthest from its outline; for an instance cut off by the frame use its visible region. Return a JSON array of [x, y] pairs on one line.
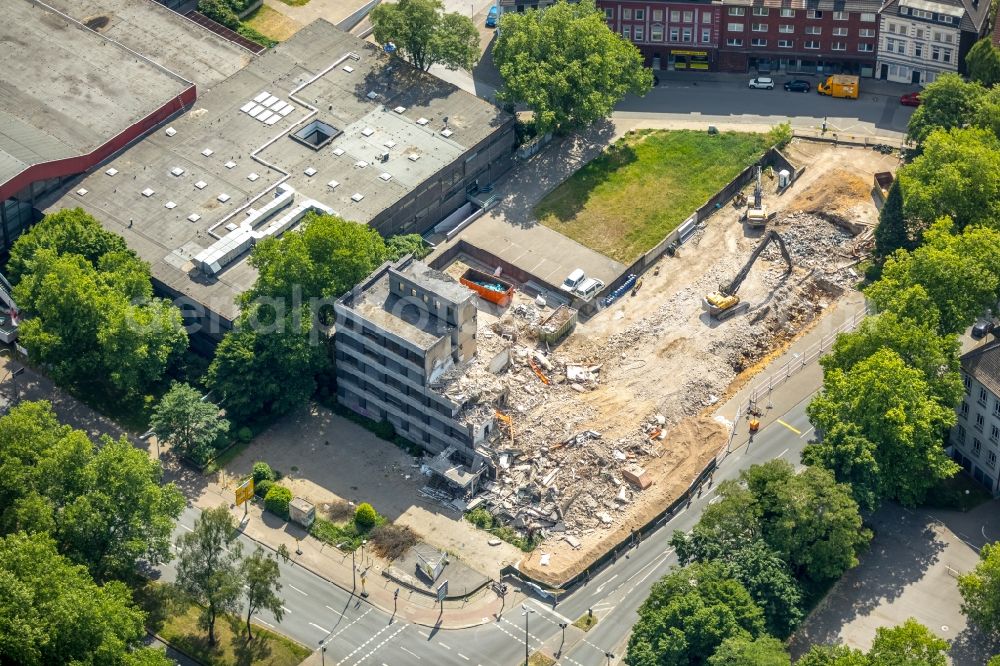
[[883, 181], [489, 287], [557, 325]]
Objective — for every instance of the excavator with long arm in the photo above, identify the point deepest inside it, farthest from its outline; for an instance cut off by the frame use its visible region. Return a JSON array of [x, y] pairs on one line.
[[723, 304]]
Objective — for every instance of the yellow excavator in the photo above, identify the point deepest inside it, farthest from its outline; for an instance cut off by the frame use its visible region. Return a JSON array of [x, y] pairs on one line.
[[725, 303], [756, 215]]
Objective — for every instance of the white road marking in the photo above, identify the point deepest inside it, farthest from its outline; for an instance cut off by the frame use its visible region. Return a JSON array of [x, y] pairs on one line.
[[806, 433], [257, 617], [186, 527], [286, 609], [323, 629], [408, 652], [384, 641], [336, 611], [444, 646], [373, 637], [600, 588], [355, 621], [562, 618], [424, 634], [783, 453], [463, 656], [298, 590]]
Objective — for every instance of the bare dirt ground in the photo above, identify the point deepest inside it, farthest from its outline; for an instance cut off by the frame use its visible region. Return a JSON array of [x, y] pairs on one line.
[[663, 359]]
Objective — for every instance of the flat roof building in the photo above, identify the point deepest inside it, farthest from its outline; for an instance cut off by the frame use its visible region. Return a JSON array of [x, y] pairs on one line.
[[975, 439], [324, 121]]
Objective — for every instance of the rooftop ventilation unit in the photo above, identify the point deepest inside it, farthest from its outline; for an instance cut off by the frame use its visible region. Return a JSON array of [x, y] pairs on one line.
[[422, 121], [348, 69], [177, 171], [112, 171], [170, 131], [361, 164], [81, 191], [385, 176], [333, 184], [446, 132], [194, 217], [223, 198], [170, 205], [208, 152], [357, 196], [316, 134], [338, 151], [413, 157], [201, 184], [230, 164], [368, 131], [400, 109], [252, 176], [148, 192], [310, 172], [389, 144]]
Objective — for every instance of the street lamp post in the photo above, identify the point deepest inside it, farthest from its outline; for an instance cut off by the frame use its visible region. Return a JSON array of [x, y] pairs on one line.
[[525, 611], [610, 656], [322, 653]]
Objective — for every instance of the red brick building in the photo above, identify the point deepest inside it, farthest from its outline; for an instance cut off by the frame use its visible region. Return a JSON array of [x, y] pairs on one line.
[[671, 35]]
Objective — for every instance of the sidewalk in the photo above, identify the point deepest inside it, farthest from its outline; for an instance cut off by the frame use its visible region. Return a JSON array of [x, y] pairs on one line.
[[868, 86], [338, 567]]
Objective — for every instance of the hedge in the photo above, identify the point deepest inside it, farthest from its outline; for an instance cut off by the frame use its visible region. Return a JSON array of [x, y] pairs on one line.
[[277, 499]]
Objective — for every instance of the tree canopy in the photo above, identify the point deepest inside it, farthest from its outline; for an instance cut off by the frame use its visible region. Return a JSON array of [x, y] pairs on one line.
[[261, 585], [52, 612], [742, 651], [892, 232], [956, 175], [907, 644], [688, 615], [945, 103], [980, 590], [983, 63], [186, 422], [566, 65], [891, 406], [91, 316], [424, 34]]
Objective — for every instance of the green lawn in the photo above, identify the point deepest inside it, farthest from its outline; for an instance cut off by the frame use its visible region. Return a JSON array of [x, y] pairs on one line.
[[176, 621], [624, 202]]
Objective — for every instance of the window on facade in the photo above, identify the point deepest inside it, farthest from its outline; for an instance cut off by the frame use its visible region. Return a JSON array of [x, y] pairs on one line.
[[785, 44], [814, 30], [866, 48], [760, 11], [686, 35], [840, 16], [675, 16], [921, 14], [866, 32], [787, 29], [840, 32], [977, 446], [839, 46], [918, 50], [675, 34], [814, 14], [737, 11], [995, 433], [656, 33], [688, 17], [640, 15], [991, 459], [811, 44], [758, 27], [757, 41], [627, 31], [732, 41], [657, 15], [868, 17], [979, 422], [983, 395], [960, 430], [787, 13], [706, 35], [609, 13], [920, 33], [638, 33], [948, 38], [996, 407], [735, 27], [626, 14], [706, 17]]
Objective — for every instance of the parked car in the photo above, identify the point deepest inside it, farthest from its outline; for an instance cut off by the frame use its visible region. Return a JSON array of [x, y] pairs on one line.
[[573, 280], [910, 99], [493, 17], [798, 85], [589, 287], [765, 82], [980, 329]]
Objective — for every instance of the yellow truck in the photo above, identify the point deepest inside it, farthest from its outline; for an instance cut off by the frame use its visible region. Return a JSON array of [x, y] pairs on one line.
[[840, 85]]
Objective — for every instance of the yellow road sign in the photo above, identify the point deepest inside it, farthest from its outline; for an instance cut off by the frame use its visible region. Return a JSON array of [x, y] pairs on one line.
[[244, 493]]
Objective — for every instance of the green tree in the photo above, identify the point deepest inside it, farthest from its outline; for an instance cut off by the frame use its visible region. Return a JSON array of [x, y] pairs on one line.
[[945, 103], [852, 458], [261, 375], [983, 63], [892, 407], [892, 234], [124, 515], [688, 614], [566, 65], [767, 578], [957, 175], [189, 424], [401, 245], [980, 590], [424, 34], [208, 566], [261, 585], [920, 347], [365, 516], [910, 643], [832, 655], [948, 281], [764, 651], [69, 231], [52, 612]]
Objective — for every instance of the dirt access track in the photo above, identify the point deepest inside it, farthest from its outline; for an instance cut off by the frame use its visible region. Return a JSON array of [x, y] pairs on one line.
[[664, 362]]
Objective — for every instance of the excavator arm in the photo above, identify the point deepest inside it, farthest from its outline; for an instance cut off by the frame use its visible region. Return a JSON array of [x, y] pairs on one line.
[[769, 237]]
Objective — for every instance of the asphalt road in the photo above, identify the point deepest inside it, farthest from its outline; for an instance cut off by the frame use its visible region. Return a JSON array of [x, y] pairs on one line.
[[318, 612]]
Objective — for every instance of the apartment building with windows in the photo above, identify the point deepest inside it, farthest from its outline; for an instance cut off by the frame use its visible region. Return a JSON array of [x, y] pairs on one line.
[[919, 40], [404, 337], [975, 439], [801, 36], [671, 35]]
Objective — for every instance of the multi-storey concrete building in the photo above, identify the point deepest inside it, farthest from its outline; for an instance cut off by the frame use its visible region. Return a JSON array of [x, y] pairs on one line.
[[920, 40], [671, 35], [401, 335], [975, 439]]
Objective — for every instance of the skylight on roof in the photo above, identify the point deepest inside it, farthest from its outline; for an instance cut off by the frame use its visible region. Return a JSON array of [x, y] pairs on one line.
[[357, 196], [333, 184], [177, 171], [348, 69], [310, 172], [223, 198], [252, 176], [170, 205], [148, 192], [422, 121], [82, 191], [316, 134], [208, 152], [170, 131], [400, 109], [194, 217], [112, 171], [389, 144], [338, 151], [446, 132], [201, 184], [368, 131], [230, 164], [385, 176], [413, 157]]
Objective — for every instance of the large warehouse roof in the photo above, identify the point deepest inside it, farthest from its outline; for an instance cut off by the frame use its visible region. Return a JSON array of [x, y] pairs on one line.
[[384, 131], [68, 90]]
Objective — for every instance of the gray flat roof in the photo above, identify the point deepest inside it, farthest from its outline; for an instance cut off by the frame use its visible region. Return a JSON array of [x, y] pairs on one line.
[[391, 313], [67, 90], [163, 36], [404, 117]]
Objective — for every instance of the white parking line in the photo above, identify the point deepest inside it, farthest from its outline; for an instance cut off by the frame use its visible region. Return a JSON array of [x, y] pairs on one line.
[[444, 646], [286, 609], [298, 590], [323, 629]]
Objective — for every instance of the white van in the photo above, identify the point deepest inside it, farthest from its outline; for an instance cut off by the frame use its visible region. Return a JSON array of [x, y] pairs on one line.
[[589, 287], [573, 281]]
